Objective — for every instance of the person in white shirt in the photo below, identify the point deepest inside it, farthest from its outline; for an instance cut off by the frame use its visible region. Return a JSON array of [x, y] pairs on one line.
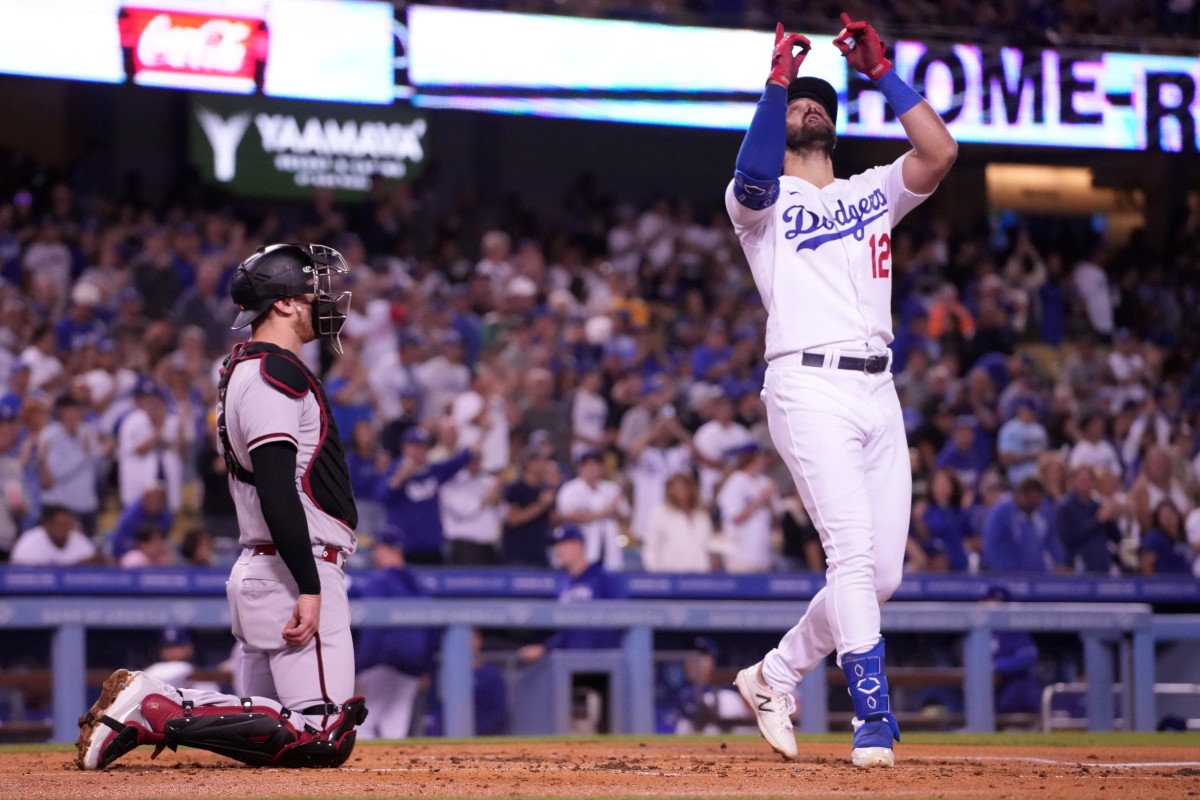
[[589, 410], [471, 519], [712, 440], [57, 542], [661, 451], [481, 417], [1091, 284], [70, 454], [149, 441], [597, 506], [1092, 449], [45, 370], [746, 502], [678, 534]]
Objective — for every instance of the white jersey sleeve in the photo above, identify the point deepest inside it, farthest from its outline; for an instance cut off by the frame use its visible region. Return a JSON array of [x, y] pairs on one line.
[[900, 199], [752, 226]]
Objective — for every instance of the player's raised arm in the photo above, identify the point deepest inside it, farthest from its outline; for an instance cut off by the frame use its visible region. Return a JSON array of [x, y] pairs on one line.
[[760, 159], [934, 149]]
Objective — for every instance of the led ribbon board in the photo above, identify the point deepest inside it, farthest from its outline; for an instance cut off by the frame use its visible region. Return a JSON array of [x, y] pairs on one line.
[[711, 78]]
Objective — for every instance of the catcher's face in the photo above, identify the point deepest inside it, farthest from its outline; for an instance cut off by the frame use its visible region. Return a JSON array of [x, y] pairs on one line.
[[809, 127], [302, 319]]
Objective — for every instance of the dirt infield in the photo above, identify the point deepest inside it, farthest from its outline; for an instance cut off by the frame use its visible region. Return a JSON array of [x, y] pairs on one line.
[[654, 768]]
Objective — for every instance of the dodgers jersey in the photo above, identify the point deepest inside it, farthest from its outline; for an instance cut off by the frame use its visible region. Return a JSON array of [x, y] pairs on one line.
[[258, 414], [821, 259]]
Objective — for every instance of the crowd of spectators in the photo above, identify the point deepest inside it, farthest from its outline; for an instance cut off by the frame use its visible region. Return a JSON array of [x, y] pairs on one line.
[[1126, 24], [504, 372]]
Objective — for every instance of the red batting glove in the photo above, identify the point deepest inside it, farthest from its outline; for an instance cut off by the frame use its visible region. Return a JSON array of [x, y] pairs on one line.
[[862, 48], [784, 63]]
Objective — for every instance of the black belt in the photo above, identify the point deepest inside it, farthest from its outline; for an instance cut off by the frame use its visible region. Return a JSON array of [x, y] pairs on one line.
[[871, 365]]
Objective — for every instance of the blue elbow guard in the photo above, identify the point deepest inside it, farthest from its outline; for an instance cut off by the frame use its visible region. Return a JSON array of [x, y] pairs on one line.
[[753, 193]]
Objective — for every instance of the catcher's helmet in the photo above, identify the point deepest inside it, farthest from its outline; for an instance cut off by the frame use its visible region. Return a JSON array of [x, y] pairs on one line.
[[277, 271]]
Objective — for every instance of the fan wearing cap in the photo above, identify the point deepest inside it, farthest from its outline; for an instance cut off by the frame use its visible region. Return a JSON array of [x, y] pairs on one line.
[[585, 580], [392, 663], [820, 252], [411, 494]]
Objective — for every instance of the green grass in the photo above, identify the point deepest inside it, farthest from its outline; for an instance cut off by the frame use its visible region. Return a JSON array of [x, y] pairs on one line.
[[1058, 739]]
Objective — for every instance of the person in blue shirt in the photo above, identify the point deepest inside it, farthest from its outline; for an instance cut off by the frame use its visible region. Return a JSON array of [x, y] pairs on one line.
[[1088, 531], [366, 460], [410, 494], [80, 326], [1019, 534], [150, 510], [530, 504], [392, 664], [1021, 440], [1165, 549], [946, 521], [491, 697], [963, 452], [583, 583], [1018, 690], [710, 359]]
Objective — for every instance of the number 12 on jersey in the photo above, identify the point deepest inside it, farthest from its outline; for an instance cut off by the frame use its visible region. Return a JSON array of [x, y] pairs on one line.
[[881, 253]]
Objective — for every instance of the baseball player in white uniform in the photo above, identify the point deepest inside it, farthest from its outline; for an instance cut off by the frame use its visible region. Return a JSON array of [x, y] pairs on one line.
[[296, 513], [819, 249]]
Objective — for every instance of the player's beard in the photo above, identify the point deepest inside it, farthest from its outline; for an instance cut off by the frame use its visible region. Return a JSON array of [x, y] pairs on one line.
[[806, 138], [304, 325]]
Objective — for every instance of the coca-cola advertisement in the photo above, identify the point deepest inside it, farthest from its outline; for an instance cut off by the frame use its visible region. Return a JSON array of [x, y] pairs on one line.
[[193, 50]]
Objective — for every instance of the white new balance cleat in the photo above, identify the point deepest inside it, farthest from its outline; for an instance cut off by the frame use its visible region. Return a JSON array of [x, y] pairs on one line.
[[772, 710], [112, 727]]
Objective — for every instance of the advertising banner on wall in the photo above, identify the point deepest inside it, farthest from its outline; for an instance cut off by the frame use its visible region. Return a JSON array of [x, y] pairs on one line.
[[337, 50], [707, 77], [273, 148]]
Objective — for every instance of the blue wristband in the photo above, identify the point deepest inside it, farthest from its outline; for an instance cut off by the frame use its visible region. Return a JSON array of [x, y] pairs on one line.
[[900, 96]]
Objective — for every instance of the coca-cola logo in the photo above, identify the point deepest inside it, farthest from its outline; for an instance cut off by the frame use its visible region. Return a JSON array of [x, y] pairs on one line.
[[165, 41]]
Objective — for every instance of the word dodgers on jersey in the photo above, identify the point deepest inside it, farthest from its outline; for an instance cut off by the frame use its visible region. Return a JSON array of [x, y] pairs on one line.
[[849, 220]]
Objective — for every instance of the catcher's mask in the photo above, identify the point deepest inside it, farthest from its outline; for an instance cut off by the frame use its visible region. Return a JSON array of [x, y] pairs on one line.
[[277, 271]]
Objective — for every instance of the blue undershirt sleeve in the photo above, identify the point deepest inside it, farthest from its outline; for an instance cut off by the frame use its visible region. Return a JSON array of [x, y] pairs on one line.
[[760, 159]]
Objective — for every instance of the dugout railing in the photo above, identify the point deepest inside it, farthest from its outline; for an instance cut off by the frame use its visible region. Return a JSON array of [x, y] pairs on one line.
[[1131, 628]]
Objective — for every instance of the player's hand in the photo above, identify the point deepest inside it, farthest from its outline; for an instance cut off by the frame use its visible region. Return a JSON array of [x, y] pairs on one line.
[[785, 64], [862, 48], [305, 621]]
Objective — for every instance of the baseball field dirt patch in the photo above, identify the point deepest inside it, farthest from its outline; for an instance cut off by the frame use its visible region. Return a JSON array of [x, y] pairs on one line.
[[653, 767]]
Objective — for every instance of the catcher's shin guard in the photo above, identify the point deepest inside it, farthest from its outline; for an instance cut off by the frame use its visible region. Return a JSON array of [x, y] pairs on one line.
[[330, 748], [260, 736]]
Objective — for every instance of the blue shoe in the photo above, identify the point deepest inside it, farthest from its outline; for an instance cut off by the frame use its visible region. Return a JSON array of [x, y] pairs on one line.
[[873, 742]]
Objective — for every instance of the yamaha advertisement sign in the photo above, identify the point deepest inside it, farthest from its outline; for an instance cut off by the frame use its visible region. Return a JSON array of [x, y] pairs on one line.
[[275, 148]]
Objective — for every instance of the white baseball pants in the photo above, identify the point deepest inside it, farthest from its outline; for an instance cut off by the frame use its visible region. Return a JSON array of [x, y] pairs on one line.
[[841, 435]]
